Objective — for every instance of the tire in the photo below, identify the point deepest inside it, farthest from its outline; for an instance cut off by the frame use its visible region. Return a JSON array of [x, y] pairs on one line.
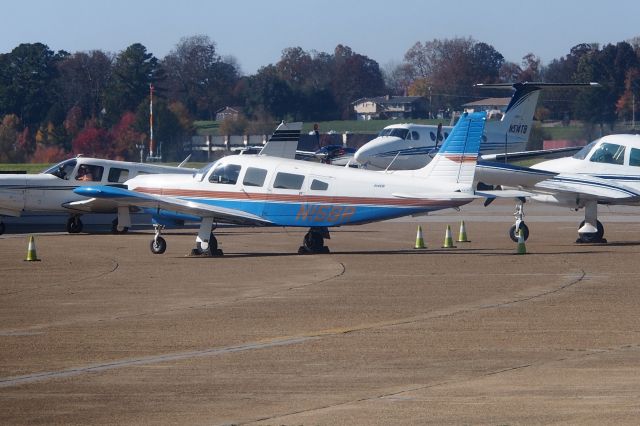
[[158, 245], [74, 225], [313, 242], [592, 237], [2, 228], [514, 236], [114, 227]]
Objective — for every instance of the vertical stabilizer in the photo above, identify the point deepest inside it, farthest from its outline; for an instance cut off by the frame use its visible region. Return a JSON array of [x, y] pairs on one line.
[[455, 163], [284, 141]]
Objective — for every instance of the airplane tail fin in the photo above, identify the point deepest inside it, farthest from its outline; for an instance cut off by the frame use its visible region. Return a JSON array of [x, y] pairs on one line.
[[511, 133], [456, 160], [284, 141]]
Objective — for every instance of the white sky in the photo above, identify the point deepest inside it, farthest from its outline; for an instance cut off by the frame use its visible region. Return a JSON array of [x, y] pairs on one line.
[[255, 32]]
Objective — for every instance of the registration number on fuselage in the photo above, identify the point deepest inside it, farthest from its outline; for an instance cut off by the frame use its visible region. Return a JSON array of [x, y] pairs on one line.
[[325, 213]]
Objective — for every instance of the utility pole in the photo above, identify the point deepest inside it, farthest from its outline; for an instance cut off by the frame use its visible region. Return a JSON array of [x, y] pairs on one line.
[[151, 147]]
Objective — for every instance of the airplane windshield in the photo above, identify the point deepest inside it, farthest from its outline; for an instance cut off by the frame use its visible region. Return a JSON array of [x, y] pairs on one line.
[[582, 154], [201, 173], [394, 131], [62, 170]]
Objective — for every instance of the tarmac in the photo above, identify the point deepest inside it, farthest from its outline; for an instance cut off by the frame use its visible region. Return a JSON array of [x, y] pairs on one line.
[[101, 331]]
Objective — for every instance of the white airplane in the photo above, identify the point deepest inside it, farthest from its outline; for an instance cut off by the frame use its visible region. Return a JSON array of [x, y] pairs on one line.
[[606, 171], [411, 146], [52, 190], [263, 190]]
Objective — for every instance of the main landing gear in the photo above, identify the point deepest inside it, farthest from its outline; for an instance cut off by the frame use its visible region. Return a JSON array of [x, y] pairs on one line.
[[74, 224], [313, 241], [519, 225], [206, 242], [2, 227], [590, 229]]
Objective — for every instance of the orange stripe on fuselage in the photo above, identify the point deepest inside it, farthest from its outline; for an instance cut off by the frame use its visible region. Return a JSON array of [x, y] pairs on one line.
[[295, 198]]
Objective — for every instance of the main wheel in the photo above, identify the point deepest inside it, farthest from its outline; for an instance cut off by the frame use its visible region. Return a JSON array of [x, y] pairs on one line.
[[114, 227], [592, 237], [158, 245], [2, 228], [514, 235], [313, 242], [74, 225]]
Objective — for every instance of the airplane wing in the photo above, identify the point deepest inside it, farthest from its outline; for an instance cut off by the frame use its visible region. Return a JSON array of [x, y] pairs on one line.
[[126, 197], [588, 187], [541, 154]]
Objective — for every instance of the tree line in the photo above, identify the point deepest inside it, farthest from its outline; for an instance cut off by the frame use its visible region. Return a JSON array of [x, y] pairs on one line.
[[53, 104]]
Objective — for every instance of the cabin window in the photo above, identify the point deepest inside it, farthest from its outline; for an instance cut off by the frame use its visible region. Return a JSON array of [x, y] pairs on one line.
[[118, 175], [288, 181], [318, 185], [225, 173], [446, 135], [89, 172], [254, 177], [634, 157], [415, 135], [432, 136], [608, 153]]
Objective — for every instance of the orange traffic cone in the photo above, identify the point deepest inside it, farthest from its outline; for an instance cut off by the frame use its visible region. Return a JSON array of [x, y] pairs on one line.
[[419, 239], [31, 251], [448, 239]]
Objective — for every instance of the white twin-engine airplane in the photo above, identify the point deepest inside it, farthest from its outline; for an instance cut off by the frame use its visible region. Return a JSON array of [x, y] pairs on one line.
[[411, 146], [272, 191], [606, 171], [52, 190]]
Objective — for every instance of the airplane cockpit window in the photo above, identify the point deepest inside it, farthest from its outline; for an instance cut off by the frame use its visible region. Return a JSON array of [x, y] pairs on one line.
[[254, 177], [288, 181], [395, 132], [201, 173], [62, 170], [318, 185], [225, 173], [89, 173], [118, 175], [634, 157], [582, 154], [415, 135], [608, 153]]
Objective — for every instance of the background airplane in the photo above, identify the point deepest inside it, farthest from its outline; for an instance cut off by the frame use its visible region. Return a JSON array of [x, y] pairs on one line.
[[606, 171], [52, 190], [272, 191], [411, 146]]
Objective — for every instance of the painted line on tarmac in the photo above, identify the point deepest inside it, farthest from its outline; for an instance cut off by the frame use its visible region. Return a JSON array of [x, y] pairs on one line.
[[284, 341], [96, 368]]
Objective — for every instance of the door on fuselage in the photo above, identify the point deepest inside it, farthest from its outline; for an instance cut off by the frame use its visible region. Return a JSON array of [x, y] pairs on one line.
[[285, 195]]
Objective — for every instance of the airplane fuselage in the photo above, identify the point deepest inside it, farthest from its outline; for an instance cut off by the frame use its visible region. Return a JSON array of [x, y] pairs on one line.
[[295, 193], [52, 190]]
